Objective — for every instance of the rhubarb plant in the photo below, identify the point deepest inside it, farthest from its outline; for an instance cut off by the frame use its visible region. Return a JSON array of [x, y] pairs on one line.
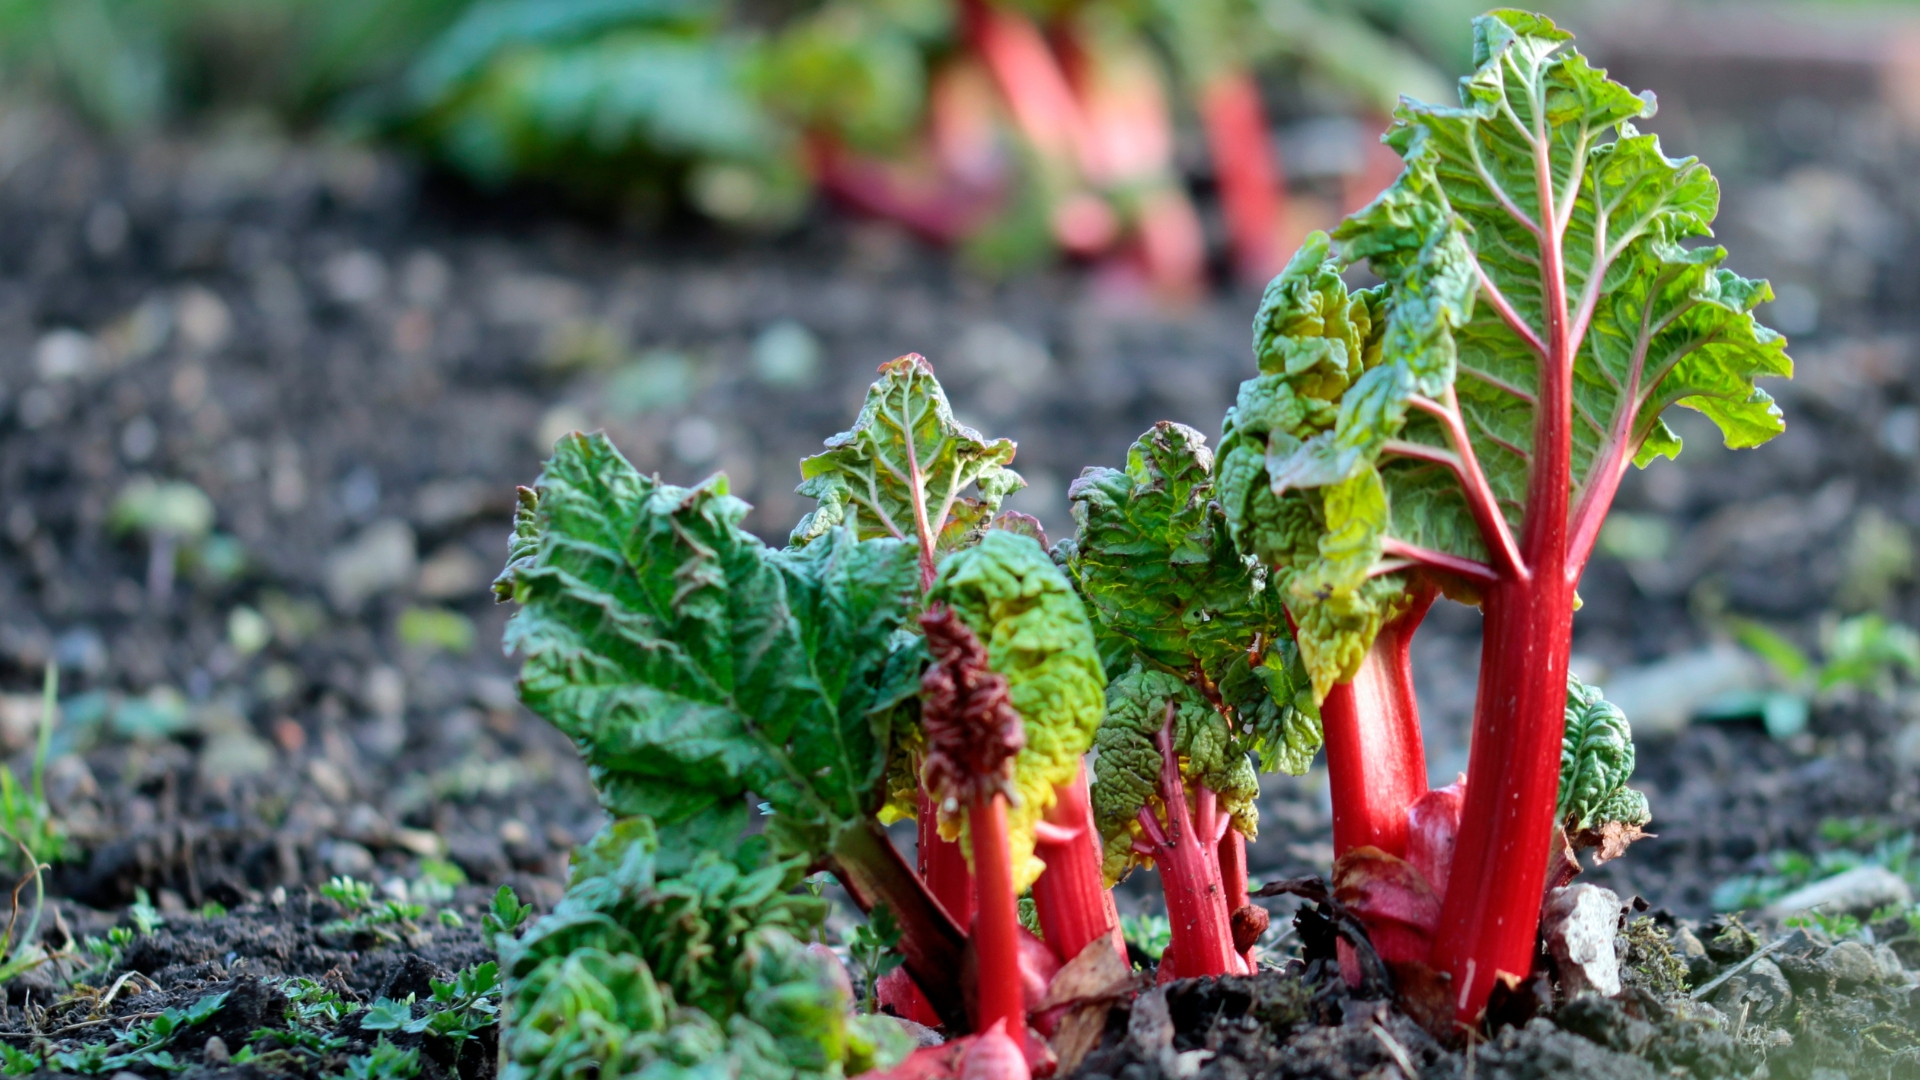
[[1172, 781], [1184, 617], [692, 665], [1464, 426], [903, 471]]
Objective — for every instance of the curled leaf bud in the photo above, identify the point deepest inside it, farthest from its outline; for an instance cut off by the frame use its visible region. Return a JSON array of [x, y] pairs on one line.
[[973, 733]]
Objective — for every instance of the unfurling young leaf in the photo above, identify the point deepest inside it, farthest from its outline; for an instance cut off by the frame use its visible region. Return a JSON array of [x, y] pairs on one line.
[[1037, 635], [1596, 761], [904, 469]]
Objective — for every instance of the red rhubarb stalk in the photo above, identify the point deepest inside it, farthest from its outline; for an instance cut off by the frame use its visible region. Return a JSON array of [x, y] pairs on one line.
[[1030, 77], [996, 925], [1186, 849], [1491, 914], [1376, 760], [1072, 901], [1245, 919]]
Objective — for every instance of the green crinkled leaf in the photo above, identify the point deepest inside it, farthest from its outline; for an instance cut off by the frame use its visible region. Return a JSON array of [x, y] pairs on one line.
[[1279, 720], [1152, 555], [1025, 610], [1127, 770], [1596, 761], [706, 970], [906, 446], [692, 665], [1294, 498], [1659, 324]]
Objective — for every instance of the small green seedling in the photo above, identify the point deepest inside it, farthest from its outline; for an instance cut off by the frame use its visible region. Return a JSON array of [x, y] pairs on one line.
[[1788, 870], [1149, 933], [169, 516], [349, 894], [146, 918], [314, 1006], [18, 1062], [388, 920], [874, 947], [1864, 653], [143, 1043], [1837, 926], [457, 1010], [507, 915], [387, 1062], [24, 812]]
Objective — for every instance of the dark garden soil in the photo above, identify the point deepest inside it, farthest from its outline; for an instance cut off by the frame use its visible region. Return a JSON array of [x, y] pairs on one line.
[[356, 364]]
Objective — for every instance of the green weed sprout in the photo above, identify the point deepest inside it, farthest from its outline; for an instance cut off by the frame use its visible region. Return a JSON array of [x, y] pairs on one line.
[[1863, 653], [25, 815]]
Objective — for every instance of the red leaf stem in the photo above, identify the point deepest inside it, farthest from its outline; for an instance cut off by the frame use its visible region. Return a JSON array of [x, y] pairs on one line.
[[1071, 899], [1185, 847]]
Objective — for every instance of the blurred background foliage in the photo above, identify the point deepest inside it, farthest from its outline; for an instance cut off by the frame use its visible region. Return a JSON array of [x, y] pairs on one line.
[[1014, 128], [720, 105]]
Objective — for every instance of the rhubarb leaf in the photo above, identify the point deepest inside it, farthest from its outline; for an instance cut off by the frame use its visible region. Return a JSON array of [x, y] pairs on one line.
[[1460, 240], [1023, 608], [1152, 555], [905, 467], [1314, 512], [1596, 761], [691, 665], [1279, 721], [634, 968], [1127, 771]]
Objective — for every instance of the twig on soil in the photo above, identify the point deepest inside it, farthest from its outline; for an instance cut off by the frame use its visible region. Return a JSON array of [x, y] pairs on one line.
[[1396, 1051], [1700, 993], [99, 1020], [1345, 923], [113, 990], [7, 951]]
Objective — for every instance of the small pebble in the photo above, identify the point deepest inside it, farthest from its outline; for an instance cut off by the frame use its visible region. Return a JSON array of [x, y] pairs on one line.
[[215, 1051], [1761, 991], [1849, 964]]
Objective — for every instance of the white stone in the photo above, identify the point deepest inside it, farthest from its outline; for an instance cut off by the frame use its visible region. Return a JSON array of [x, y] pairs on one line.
[[1581, 922], [1859, 891]]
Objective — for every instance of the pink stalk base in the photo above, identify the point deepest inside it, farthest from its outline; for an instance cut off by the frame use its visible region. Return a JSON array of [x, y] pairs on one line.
[[1233, 877], [1186, 849], [1000, 995], [1071, 897]]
